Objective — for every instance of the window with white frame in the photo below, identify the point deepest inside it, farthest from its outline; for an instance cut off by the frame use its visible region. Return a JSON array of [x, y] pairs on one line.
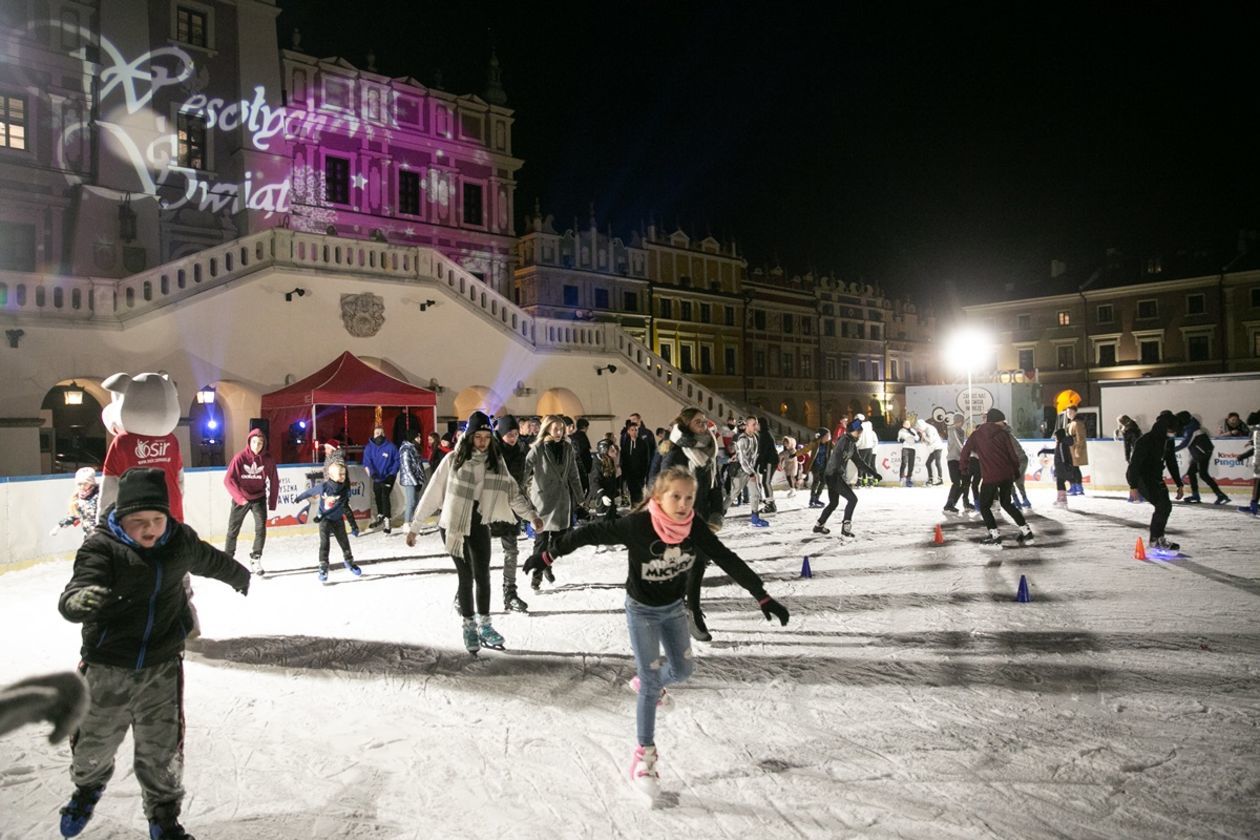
[[1106, 313], [1150, 346], [1198, 341], [1027, 358], [1196, 303], [336, 180], [13, 121], [807, 365], [1065, 355], [1148, 308], [1106, 351], [1023, 321]]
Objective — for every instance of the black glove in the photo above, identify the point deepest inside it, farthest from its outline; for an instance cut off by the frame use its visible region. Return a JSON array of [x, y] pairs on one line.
[[879, 477], [317, 517], [771, 608], [60, 698], [86, 601], [538, 562]]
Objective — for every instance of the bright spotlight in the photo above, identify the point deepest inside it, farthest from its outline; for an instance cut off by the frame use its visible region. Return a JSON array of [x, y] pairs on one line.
[[968, 350], [212, 424]]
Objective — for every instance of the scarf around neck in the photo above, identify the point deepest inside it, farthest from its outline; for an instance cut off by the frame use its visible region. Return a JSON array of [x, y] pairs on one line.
[[700, 450], [463, 487], [666, 527]]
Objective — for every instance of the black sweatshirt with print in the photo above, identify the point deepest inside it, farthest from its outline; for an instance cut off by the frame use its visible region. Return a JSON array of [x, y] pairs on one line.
[[658, 570]]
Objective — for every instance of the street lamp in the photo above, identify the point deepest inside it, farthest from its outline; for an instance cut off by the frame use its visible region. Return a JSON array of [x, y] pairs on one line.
[[206, 395], [967, 351], [73, 394]]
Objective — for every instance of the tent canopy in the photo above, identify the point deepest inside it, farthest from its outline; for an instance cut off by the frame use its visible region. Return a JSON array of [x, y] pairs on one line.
[[354, 389]]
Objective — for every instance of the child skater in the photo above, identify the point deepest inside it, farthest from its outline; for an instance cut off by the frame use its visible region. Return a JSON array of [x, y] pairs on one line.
[[333, 509], [551, 474], [1062, 452], [663, 539], [1253, 421], [83, 504], [473, 488], [128, 592], [837, 470]]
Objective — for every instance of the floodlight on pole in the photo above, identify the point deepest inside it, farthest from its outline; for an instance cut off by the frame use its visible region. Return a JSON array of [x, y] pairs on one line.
[[968, 350]]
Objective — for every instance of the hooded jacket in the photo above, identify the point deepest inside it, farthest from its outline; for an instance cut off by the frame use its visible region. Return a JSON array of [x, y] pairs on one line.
[[250, 476], [1146, 463], [697, 455], [868, 439], [381, 459], [954, 443], [999, 459], [146, 616]]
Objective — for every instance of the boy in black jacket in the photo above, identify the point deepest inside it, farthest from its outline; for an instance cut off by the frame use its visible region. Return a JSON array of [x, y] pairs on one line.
[[1146, 473], [332, 511], [128, 592]]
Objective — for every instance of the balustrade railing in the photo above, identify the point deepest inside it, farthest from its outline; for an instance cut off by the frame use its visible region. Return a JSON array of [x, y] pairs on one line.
[[104, 299]]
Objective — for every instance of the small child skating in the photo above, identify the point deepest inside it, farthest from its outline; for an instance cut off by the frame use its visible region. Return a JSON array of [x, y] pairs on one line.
[[1062, 452], [663, 540], [83, 503], [127, 591], [332, 511]]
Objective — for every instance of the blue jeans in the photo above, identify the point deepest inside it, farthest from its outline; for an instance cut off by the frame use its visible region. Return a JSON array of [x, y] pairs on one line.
[[411, 499], [650, 629]]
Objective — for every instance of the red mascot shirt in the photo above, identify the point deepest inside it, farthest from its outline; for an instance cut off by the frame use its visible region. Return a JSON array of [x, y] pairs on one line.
[[161, 453]]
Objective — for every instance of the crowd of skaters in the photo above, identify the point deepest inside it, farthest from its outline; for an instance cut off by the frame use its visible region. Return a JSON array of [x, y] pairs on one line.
[[496, 477]]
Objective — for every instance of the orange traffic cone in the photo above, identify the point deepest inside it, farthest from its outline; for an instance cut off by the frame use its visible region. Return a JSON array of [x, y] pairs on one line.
[[938, 537], [1139, 550]]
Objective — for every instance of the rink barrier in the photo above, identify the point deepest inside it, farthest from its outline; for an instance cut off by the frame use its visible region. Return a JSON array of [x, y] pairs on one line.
[[31, 505]]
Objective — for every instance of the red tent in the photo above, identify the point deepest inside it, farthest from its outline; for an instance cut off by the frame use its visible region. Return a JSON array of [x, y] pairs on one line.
[[340, 400]]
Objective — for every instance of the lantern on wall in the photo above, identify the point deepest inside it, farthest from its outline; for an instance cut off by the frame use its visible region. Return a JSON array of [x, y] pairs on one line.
[[73, 394]]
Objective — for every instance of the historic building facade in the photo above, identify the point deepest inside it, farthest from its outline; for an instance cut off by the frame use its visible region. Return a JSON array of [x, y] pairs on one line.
[[1127, 319]]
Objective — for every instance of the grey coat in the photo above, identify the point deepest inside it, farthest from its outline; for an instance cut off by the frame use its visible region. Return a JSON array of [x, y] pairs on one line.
[[553, 487]]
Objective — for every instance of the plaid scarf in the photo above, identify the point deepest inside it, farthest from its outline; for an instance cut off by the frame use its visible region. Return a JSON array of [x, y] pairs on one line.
[[469, 484], [699, 449]]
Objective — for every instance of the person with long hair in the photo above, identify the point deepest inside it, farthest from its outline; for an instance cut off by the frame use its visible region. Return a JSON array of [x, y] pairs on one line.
[[663, 538], [473, 488], [694, 448], [551, 474]]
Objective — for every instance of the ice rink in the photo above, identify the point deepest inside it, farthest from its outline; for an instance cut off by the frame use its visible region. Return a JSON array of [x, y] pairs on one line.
[[909, 697]]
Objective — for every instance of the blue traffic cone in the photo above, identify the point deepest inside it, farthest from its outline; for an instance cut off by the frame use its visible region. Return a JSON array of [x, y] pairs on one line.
[[1023, 596], [806, 572]]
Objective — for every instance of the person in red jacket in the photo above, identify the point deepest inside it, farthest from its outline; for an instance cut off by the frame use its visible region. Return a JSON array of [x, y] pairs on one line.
[[999, 466], [254, 485]]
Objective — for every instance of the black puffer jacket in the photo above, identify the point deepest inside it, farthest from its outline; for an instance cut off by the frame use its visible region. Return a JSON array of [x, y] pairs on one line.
[[146, 616]]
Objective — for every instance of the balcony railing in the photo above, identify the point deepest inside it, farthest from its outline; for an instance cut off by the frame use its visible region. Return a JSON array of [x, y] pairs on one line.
[[106, 300]]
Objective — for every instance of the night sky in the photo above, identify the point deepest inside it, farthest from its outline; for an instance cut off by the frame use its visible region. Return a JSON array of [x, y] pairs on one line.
[[914, 146]]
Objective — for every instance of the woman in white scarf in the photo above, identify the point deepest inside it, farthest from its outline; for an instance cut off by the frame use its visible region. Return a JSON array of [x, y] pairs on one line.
[[472, 487]]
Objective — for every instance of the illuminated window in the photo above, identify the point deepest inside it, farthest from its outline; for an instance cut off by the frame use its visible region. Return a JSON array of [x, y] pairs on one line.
[[337, 180], [409, 192], [1066, 357], [17, 246], [1196, 304], [1148, 308], [190, 27], [192, 141], [1065, 318], [13, 122], [1106, 314], [472, 204]]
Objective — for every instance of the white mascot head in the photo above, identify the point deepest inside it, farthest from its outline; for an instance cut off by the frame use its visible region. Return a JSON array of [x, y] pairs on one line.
[[145, 404]]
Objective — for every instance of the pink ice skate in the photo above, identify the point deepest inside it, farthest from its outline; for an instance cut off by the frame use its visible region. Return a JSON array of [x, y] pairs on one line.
[[643, 772]]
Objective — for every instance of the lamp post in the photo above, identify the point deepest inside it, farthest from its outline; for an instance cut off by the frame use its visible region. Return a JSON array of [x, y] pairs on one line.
[[965, 351]]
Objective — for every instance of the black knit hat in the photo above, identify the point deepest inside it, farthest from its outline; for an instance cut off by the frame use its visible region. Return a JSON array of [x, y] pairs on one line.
[[822, 433], [505, 425], [995, 415], [478, 421], [142, 488]]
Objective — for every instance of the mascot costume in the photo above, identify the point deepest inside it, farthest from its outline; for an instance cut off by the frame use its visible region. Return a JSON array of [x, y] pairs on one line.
[[142, 416]]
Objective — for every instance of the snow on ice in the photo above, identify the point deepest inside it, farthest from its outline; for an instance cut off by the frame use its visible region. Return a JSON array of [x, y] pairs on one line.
[[909, 697]]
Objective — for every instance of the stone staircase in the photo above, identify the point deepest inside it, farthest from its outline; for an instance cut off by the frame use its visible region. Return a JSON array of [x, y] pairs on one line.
[[40, 298]]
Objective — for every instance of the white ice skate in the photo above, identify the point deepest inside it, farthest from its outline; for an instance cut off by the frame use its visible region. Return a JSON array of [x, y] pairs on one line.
[[643, 772]]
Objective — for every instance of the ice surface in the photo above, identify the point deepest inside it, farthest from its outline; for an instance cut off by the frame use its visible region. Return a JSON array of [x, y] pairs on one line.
[[909, 697]]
